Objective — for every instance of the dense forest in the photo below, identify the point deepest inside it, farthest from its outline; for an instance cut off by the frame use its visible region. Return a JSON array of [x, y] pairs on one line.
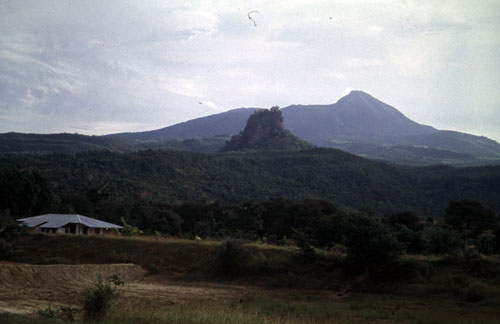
[[312, 225], [83, 181], [317, 200]]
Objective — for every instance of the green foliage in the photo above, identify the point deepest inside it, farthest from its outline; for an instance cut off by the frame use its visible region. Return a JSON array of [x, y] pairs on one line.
[[370, 244], [129, 230], [97, 300], [475, 291], [302, 241], [442, 240], [408, 219], [6, 249], [116, 280], [485, 242], [231, 259], [26, 192], [61, 313], [469, 217], [328, 174], [49, 312], [412, 240], [69, 312]]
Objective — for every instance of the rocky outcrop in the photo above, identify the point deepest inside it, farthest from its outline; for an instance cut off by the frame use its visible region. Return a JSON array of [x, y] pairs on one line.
[[265, 130]]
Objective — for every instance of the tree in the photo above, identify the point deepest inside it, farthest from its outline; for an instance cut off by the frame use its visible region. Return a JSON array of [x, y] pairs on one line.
[[369, 243], [442, 240], [485, 242], [26, 192], [408, 219], [469, 217], [129, 230]]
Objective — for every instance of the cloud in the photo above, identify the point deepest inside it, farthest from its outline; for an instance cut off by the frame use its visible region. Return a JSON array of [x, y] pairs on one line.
[[96, 66], [210, 104]]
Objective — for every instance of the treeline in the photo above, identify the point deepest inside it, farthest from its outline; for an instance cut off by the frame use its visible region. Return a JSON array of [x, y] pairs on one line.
[[308, 223], [320, 224]]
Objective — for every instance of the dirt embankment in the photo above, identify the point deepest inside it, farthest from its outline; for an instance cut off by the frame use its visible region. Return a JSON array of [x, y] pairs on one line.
[[25, 288]]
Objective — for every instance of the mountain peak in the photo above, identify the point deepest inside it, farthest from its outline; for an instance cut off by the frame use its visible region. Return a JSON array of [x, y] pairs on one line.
[[358, 93], [265, 130], [358, 97]]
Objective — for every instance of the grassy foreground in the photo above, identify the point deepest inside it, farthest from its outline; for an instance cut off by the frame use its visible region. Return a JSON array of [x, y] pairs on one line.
[[294, 309], [433, 290]]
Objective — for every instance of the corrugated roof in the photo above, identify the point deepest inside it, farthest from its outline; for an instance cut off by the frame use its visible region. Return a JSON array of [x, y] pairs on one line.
[[60, 220]]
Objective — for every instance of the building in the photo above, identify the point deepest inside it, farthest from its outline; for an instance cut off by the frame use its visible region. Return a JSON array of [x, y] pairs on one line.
[[67, 223]]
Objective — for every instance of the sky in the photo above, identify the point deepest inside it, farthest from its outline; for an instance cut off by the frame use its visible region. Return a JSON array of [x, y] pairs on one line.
[[101, 67]]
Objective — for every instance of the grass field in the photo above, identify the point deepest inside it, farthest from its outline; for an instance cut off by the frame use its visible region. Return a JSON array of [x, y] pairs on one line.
[[295, 309], [178, 283]]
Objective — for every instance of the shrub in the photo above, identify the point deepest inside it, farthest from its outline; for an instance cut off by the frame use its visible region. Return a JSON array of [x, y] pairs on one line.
[[442, 240], [475, 292], [97, 300], [369, 244], [231, 259], [485, 242], [63, 312], [129, 230], [302, 241], [6, 250], [49, 312], [153, 269]]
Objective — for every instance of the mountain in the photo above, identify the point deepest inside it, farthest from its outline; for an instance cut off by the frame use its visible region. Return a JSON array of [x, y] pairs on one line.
[[358, 123], [357, 117], [227, 123], [264, 131]]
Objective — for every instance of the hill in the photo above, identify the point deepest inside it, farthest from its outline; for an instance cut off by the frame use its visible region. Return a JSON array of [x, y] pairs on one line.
[[19, 143], [235, 177], [264, 131]]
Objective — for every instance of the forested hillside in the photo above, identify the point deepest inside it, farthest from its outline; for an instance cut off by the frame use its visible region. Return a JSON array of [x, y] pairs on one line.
[[329, 174]]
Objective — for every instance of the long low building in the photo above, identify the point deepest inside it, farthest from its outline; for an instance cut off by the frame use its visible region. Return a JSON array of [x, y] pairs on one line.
[[67, 223]]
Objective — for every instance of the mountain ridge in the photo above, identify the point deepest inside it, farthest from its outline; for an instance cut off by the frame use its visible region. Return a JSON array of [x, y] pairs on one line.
[[357, 123], [356, 119]]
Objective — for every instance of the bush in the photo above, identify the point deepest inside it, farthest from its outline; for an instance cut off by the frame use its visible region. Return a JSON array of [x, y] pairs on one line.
[[302, 241], [369, 244], [49, 312], [485, 243], [60, 313], [129, 230], [97, 300], [442, 240], [231, 259], [6, 250], [475, 292]]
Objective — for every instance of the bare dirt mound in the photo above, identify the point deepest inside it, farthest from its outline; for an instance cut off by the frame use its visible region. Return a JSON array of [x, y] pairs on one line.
[[26, 287]]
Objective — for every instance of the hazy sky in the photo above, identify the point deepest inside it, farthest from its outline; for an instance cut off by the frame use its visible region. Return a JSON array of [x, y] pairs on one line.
[[97, 67]]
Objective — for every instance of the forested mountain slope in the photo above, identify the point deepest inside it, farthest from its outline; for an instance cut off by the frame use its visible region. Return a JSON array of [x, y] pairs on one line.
[[330, 174]]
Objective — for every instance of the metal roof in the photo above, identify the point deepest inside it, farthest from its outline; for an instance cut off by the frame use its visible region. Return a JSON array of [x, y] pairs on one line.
[[60, 220]]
